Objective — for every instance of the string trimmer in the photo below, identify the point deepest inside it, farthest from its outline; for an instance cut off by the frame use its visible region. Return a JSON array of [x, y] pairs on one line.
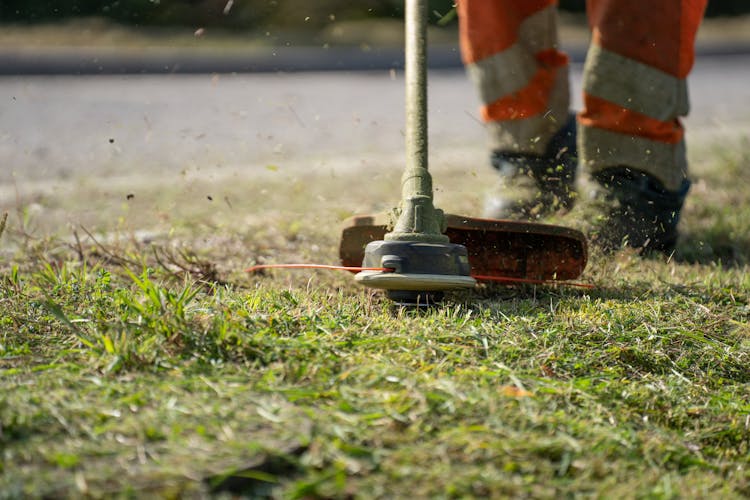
[[426, 252]]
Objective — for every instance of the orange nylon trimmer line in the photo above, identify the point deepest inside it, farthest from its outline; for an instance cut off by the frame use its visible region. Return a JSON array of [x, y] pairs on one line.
[[528, 281], [261, 267], [494, 279]]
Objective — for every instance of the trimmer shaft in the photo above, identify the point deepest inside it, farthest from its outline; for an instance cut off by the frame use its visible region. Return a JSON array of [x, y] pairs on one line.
[[421, 257]]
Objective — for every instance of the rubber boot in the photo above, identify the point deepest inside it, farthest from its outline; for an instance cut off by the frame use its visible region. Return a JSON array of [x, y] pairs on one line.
[[637, 211]]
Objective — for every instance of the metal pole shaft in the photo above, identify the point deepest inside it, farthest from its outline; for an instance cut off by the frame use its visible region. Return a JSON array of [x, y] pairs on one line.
[[422, 256], [418, 220], [416, 83]]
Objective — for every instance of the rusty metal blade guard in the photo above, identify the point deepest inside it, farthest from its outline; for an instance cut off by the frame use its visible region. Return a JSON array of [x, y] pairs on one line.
[[497, 248]]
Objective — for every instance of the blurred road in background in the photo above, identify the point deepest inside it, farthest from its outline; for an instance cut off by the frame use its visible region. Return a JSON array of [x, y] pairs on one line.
[[71, 127]]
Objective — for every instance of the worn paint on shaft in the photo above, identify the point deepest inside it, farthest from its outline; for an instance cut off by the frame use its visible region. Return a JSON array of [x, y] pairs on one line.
[[416, 84], [419, 220]]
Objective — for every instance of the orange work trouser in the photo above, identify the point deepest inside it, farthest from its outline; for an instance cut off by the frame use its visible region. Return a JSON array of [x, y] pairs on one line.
[[634, 82]]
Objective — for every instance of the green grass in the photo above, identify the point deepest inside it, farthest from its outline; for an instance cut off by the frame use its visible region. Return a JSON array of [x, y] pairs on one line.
[[152, 365]]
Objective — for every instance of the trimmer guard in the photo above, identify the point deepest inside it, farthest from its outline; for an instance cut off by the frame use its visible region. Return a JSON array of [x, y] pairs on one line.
[[497, 248]]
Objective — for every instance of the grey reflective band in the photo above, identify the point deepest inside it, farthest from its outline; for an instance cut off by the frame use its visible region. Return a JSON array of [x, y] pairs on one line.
[[599, 149], [511, 70], [532, 135], [634, 86]]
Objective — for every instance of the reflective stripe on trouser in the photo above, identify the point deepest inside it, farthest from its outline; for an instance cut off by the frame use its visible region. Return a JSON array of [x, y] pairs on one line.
[[634, 86], [510, 51]]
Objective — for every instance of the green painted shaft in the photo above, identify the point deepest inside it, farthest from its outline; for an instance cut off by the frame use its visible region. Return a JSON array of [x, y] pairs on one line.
[[419, 220], [416, 83]]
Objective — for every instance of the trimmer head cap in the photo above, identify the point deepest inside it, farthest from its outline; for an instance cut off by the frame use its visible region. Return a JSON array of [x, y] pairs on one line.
[[418, 272]]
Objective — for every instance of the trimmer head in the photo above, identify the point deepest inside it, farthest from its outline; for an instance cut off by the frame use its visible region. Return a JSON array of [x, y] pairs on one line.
[[495, 248], [421, 272], [418, 259]]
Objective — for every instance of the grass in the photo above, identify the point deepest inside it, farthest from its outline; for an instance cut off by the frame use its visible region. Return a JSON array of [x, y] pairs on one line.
[[136, 358], [107, 35]]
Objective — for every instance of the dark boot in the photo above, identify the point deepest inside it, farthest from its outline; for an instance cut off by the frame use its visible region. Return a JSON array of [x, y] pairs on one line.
[[534, 186], [638, 211]]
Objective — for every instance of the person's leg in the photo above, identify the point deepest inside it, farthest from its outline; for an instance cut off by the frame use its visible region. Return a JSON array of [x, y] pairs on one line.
[[635, 91], [511, 53]]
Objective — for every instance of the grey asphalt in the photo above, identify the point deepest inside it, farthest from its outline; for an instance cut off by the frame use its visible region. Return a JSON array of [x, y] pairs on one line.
[[290, 59], [71, 127], [175, 60]]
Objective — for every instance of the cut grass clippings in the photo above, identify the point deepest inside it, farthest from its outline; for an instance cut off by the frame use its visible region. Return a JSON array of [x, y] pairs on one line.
[[153, 366]]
